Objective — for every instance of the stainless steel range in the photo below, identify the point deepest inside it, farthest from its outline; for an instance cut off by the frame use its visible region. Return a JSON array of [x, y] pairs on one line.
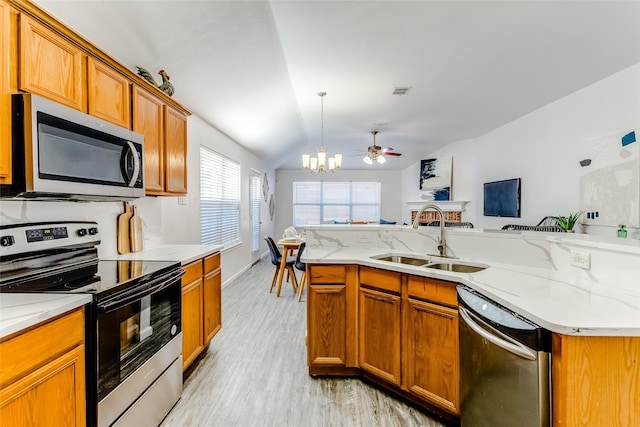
[[133, 326]]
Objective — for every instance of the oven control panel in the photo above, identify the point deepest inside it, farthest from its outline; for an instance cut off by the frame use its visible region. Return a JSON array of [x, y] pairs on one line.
[[27, 237], [40, 234]]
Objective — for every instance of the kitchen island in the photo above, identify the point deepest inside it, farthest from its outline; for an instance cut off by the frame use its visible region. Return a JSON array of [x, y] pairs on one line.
[[594, 313]]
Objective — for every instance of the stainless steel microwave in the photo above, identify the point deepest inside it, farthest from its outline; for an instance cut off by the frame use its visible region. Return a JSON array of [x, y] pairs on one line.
[[62, 153]]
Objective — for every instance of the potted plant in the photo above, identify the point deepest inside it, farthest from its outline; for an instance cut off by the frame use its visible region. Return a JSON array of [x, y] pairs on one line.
[[567, 222]]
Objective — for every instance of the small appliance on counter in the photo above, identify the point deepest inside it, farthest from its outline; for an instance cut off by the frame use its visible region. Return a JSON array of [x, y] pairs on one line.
[[63, 154], [133, 338]]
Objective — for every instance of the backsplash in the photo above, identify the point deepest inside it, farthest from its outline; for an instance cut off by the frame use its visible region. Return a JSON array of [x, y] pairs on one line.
[[613, 261]]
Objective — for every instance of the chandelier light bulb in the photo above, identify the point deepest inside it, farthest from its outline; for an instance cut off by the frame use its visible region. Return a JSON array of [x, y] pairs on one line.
[[305, 161]]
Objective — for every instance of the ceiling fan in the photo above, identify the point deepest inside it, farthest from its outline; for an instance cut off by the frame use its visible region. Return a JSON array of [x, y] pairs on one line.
[[376, 153]]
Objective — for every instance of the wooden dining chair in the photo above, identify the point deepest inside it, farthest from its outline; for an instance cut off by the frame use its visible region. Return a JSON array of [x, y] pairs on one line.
[[276, 260], [302, 267]]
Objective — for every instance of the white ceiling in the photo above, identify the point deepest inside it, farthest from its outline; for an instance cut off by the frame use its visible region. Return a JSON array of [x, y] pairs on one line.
[[253, 69]]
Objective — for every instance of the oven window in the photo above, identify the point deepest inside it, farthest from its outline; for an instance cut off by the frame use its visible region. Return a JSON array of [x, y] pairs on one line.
[[131, 335]]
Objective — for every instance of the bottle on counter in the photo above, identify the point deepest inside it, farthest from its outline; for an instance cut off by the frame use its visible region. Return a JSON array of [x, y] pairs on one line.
[[622, 232]]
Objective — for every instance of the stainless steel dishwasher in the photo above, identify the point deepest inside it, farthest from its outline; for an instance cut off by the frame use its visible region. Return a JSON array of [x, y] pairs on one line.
[[504, 366]]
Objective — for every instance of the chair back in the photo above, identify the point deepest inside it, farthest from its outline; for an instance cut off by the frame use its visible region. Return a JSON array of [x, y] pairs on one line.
[[299, 264], [276, 256]]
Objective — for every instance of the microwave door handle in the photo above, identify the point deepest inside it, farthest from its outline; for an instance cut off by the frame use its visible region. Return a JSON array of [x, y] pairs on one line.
[[131, 151]]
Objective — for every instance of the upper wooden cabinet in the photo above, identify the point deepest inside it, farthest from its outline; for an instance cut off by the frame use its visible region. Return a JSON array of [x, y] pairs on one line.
[[175, 152], [50, 65], [165, 143], [7, 40], [148, 120], [109, 94]]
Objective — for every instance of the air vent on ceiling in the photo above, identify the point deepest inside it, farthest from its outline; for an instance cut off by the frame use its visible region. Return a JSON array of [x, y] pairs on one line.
[[401, 90]]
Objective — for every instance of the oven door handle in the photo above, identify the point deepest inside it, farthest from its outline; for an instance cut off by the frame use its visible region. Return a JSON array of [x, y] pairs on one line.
[[152, 287]]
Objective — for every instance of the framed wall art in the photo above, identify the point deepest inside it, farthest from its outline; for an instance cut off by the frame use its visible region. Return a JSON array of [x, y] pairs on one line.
[[435, 178]]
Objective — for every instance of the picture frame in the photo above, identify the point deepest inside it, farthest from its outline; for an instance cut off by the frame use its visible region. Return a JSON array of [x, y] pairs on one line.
[[435, 178]]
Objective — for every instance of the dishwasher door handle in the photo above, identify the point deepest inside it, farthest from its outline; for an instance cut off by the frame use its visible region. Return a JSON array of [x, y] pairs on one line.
[[511, 346]]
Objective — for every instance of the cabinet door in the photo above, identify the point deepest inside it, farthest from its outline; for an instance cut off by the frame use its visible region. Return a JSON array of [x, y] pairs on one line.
[[332, 323], [148, 120], [192, 344], [175, 152], [50, 66], [109, 94], [5, 92], [380, 323], [327, 325], [212, 305], [430, 349], [53, 395]]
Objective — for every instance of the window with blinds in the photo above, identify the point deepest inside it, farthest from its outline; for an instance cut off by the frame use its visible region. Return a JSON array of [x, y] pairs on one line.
[[219, 199], [317, 202], [255, 213]]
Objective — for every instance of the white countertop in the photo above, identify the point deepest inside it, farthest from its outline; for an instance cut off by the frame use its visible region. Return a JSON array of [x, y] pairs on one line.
[[558, 301], [20, 311], [181, 253]]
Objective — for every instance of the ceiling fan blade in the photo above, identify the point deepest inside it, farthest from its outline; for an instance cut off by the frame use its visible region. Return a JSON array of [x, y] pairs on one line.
[[389, 153], [386, 149]]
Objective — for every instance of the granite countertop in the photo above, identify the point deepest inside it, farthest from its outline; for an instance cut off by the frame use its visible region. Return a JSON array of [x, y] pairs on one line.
[[181, 253], [558, 301], [20, 311]]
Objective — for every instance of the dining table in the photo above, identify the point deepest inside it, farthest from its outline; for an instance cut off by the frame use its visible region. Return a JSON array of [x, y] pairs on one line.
[[289, 245]]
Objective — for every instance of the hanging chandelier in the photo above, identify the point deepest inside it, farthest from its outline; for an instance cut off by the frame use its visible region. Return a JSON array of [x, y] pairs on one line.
[[320, 162]]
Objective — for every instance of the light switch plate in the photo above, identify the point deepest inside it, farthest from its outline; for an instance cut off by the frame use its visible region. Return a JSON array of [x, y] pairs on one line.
[[182, 200]]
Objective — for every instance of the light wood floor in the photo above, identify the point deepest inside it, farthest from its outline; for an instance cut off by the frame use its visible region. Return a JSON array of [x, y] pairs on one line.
[[254, 372]]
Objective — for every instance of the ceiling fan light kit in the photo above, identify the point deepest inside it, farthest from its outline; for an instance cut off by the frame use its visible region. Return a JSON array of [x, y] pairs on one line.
[[375, 152], [322, 163]]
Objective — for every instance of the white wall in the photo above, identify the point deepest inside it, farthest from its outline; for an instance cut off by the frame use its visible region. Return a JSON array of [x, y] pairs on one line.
[[542, 148], [391, 196], [164, 220]]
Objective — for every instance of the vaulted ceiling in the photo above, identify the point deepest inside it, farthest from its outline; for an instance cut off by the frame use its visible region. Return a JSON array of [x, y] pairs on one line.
[[253, 69]]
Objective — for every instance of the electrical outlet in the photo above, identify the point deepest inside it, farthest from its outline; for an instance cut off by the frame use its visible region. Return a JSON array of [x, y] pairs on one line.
[[182, 200], [581, 259], [364, 238]]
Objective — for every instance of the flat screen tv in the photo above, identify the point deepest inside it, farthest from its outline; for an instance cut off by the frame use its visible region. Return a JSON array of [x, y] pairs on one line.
[[502, 198]]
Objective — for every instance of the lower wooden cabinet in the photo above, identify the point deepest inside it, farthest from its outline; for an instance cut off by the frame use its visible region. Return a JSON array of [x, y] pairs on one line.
[[430, 352], [406, 335], [595, 381], [201, 306], [379, 325], [331, 319], [42, 374]]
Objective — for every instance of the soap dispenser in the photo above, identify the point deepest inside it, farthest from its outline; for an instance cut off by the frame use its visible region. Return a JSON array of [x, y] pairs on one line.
[[622, 232]]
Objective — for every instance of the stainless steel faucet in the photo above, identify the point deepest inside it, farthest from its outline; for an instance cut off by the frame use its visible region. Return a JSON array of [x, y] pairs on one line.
[[442, 245]]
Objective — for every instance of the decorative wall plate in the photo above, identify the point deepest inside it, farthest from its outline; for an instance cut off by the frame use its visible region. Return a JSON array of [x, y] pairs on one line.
[[265, 186], [272, 207]]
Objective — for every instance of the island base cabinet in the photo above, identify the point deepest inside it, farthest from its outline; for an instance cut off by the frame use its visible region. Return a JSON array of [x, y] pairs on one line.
[[380, 335], [430, 351], [331, 319], [595, 381]]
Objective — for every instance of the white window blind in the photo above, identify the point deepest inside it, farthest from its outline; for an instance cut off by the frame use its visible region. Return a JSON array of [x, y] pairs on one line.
[[255, 213], [317, 202], [219, 199]]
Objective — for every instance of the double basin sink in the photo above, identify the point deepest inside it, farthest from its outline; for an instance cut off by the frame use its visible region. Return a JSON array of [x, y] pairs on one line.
[[434, 263]]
